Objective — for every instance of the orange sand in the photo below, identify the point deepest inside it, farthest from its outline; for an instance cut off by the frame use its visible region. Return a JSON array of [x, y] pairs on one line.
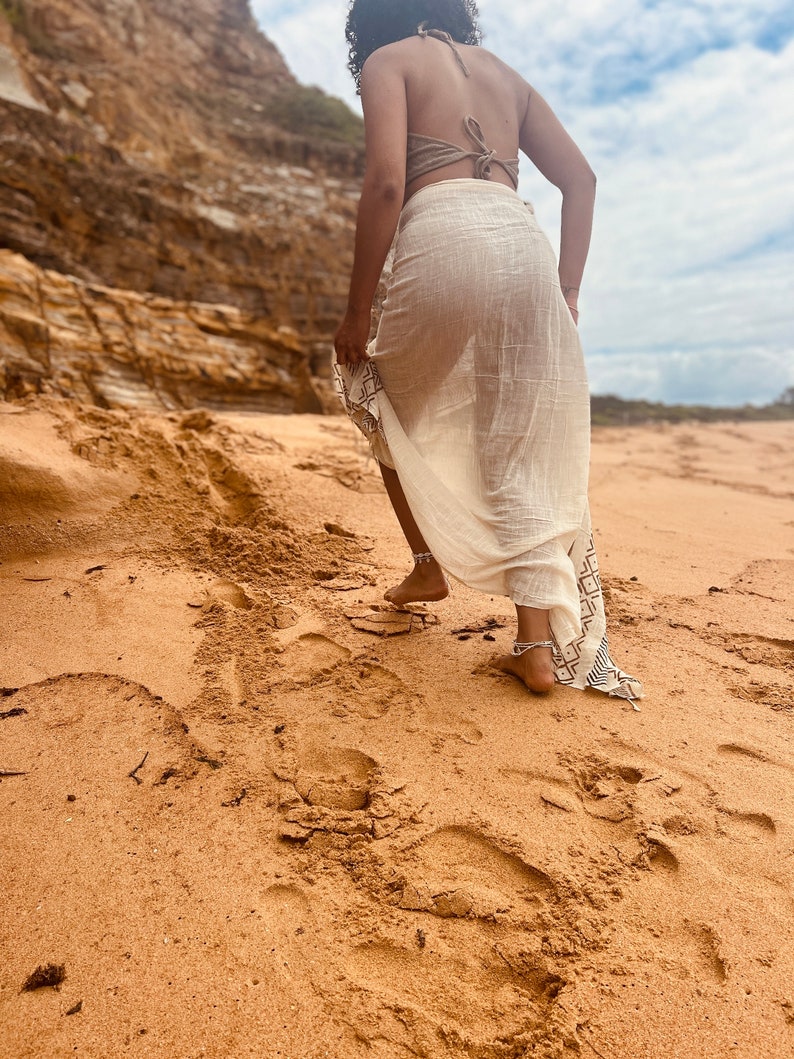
[[346, 845]]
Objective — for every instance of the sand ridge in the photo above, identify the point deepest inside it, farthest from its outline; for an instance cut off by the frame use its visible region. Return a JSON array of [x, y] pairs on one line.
[[249, 825]]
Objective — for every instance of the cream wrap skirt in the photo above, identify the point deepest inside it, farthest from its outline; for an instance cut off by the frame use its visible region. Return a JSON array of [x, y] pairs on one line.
[[476, 394]]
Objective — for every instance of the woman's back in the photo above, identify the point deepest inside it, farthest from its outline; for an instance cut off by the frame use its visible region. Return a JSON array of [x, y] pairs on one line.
[[446, 83]]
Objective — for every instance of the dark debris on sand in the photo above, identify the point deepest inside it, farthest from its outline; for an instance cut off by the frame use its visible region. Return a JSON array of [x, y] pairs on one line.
[[45, 975], [17, 711]]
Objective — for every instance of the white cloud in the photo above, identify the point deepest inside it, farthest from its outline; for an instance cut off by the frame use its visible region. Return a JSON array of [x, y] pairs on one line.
[[682, 376], [581, 50], [685, 110], [310, 34], [686, 250]]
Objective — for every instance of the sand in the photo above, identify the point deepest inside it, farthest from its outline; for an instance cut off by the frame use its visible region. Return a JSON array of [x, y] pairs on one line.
[[241, 822]]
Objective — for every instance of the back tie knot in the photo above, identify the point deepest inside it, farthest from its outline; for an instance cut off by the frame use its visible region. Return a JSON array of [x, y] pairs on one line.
[[482, 165], [482, 162]]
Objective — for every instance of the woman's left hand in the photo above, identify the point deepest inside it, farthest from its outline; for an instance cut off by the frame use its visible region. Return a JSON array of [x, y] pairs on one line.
[[350, 341]]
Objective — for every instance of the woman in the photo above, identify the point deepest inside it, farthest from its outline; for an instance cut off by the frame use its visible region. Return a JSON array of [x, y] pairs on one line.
[[473, 391]]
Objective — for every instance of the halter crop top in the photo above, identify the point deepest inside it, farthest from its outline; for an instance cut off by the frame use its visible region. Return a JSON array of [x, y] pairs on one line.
[[426, 153]]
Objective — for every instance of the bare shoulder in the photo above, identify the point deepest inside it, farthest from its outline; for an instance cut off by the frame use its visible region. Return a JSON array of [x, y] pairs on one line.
[[512, 78], [389, 55]]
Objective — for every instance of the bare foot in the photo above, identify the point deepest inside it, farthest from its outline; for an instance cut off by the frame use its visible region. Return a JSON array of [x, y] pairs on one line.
[[535, 668], [425, 584]]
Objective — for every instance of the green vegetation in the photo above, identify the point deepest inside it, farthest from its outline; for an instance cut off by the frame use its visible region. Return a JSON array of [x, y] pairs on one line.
[[13, 12], [24, 23], [609, 411], [311, 113]]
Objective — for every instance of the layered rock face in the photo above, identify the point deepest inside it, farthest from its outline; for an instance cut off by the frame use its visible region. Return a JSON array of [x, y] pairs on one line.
[[163, 147], [117, 348]]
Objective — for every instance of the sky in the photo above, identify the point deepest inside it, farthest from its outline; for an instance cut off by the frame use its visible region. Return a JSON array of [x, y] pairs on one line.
[[685, 110]]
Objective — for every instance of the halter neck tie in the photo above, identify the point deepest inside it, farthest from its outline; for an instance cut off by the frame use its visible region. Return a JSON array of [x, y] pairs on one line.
[[442, 35]]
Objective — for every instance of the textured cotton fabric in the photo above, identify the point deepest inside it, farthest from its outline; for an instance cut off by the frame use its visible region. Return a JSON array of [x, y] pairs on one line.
[[476, 394]]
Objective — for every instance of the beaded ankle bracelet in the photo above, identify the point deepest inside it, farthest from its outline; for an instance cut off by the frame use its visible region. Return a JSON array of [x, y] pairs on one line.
[[519, 648]]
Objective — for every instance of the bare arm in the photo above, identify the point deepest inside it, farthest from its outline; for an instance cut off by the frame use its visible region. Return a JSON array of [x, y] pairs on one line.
[[385, 128], [558, 158]]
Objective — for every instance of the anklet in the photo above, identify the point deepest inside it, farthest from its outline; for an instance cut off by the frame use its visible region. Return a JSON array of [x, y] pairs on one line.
[[422, 557], [519, 648]]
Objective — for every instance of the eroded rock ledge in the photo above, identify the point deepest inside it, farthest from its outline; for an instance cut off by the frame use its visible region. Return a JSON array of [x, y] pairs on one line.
[[120, 348], [162, 154]]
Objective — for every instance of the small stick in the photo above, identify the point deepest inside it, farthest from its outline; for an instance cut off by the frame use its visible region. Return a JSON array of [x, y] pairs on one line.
[[134, 774], [7, 772], [17, 711]]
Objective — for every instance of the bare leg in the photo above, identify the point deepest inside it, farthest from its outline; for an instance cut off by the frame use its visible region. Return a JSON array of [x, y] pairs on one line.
[[534, 667], [426, 582]]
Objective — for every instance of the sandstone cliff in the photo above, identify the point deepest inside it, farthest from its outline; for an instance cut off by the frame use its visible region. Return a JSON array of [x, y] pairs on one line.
[[117, 348], [163, 147]]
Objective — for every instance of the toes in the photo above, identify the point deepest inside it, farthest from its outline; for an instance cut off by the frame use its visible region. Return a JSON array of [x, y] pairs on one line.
[[505, 663]]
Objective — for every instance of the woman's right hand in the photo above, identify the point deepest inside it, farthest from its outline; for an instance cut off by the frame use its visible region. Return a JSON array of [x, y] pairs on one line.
[[350, 341]]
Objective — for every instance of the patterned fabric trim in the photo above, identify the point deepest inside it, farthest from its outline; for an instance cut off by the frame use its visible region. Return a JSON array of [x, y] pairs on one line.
[[358, 387], [586, 662]]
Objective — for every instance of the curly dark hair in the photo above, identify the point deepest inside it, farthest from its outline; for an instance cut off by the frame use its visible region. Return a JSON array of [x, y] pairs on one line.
[[373, 23]]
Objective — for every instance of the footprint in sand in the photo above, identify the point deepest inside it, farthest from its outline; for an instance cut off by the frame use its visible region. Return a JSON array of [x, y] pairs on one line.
[[607, 789], [554, 791], [313, 655], [89, 730], [760, 650], [688, 950], [235, 494], [460, 872], [292, 953], [753, 826], [335, 777], [367, 689], [428, 999], [750, 762], [285, 911], [225, 591], [775, 696], [659, 851], [709, 947], [440, 725]]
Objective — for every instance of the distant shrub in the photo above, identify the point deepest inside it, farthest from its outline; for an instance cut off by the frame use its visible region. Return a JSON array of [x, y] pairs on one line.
[[609, 410], [24, 23], [310, 112], [13, 12]]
